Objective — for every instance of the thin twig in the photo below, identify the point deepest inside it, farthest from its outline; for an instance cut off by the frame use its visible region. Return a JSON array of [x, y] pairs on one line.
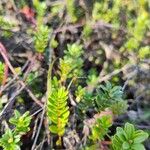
[[2, 48], [38, 131], [35, 126], [11, 101], [3, 88], [36, 112], [115, 72], [130, 76]]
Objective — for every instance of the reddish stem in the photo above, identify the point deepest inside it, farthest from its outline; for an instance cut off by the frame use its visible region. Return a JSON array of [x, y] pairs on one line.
[[106, 142]]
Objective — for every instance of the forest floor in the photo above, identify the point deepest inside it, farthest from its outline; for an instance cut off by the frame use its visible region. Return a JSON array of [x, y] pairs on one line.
[[104, 58]]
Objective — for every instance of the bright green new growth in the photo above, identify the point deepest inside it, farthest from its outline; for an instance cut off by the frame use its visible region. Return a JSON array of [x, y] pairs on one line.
[[41, 35], [40, 9], [57, 94], [101, 127], [58, 111], [102, 11], [6, 25], [144, 52], [21, 122], [79, 93], [71, 9], [11, 139], [41, 38], [129, 138], [71, 64]]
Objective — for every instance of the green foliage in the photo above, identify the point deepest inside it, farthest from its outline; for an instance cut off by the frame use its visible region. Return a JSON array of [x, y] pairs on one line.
[[137, 24], [87, 30], [21, 122], [108, 95], [119, 107], [131, 19], [41, 35], [102, 10], [95, 14], [144, 52], [56, 8], [101, 127], [58, 111], [86, 103], [79, 93], [31, 77], [71, 64], [71, 9], [92, 78], [40, 8], [41, 38], [22, 3], [6, 25], [138, 31], [10, 140], [129, 138], [1, 71], [53, 43]]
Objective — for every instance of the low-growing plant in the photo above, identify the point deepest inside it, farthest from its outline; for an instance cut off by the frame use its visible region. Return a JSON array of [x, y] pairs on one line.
[[79, 93], [101, 127], [58, 111], [106, 96], [41, 34], [71, 64], [128, 138], [10, 140], [6, 26], [57, 93], [109, 96], [21, 122], [41, 38], [40, 8], [71, 9]]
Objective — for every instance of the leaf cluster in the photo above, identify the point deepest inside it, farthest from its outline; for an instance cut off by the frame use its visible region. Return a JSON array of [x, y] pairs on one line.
[[41, 38], [10, 140], [58, 111], [128, 138], [109, 96], [101, 127], [6, 25], [106, 96], [41, 35], [21, 122], [71, 64]]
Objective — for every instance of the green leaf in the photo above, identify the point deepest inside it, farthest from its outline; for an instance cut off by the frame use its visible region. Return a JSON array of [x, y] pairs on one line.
[[129, 129], [57, 109], [125, 145], [53, 129], [138, 147], [140, 137]]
